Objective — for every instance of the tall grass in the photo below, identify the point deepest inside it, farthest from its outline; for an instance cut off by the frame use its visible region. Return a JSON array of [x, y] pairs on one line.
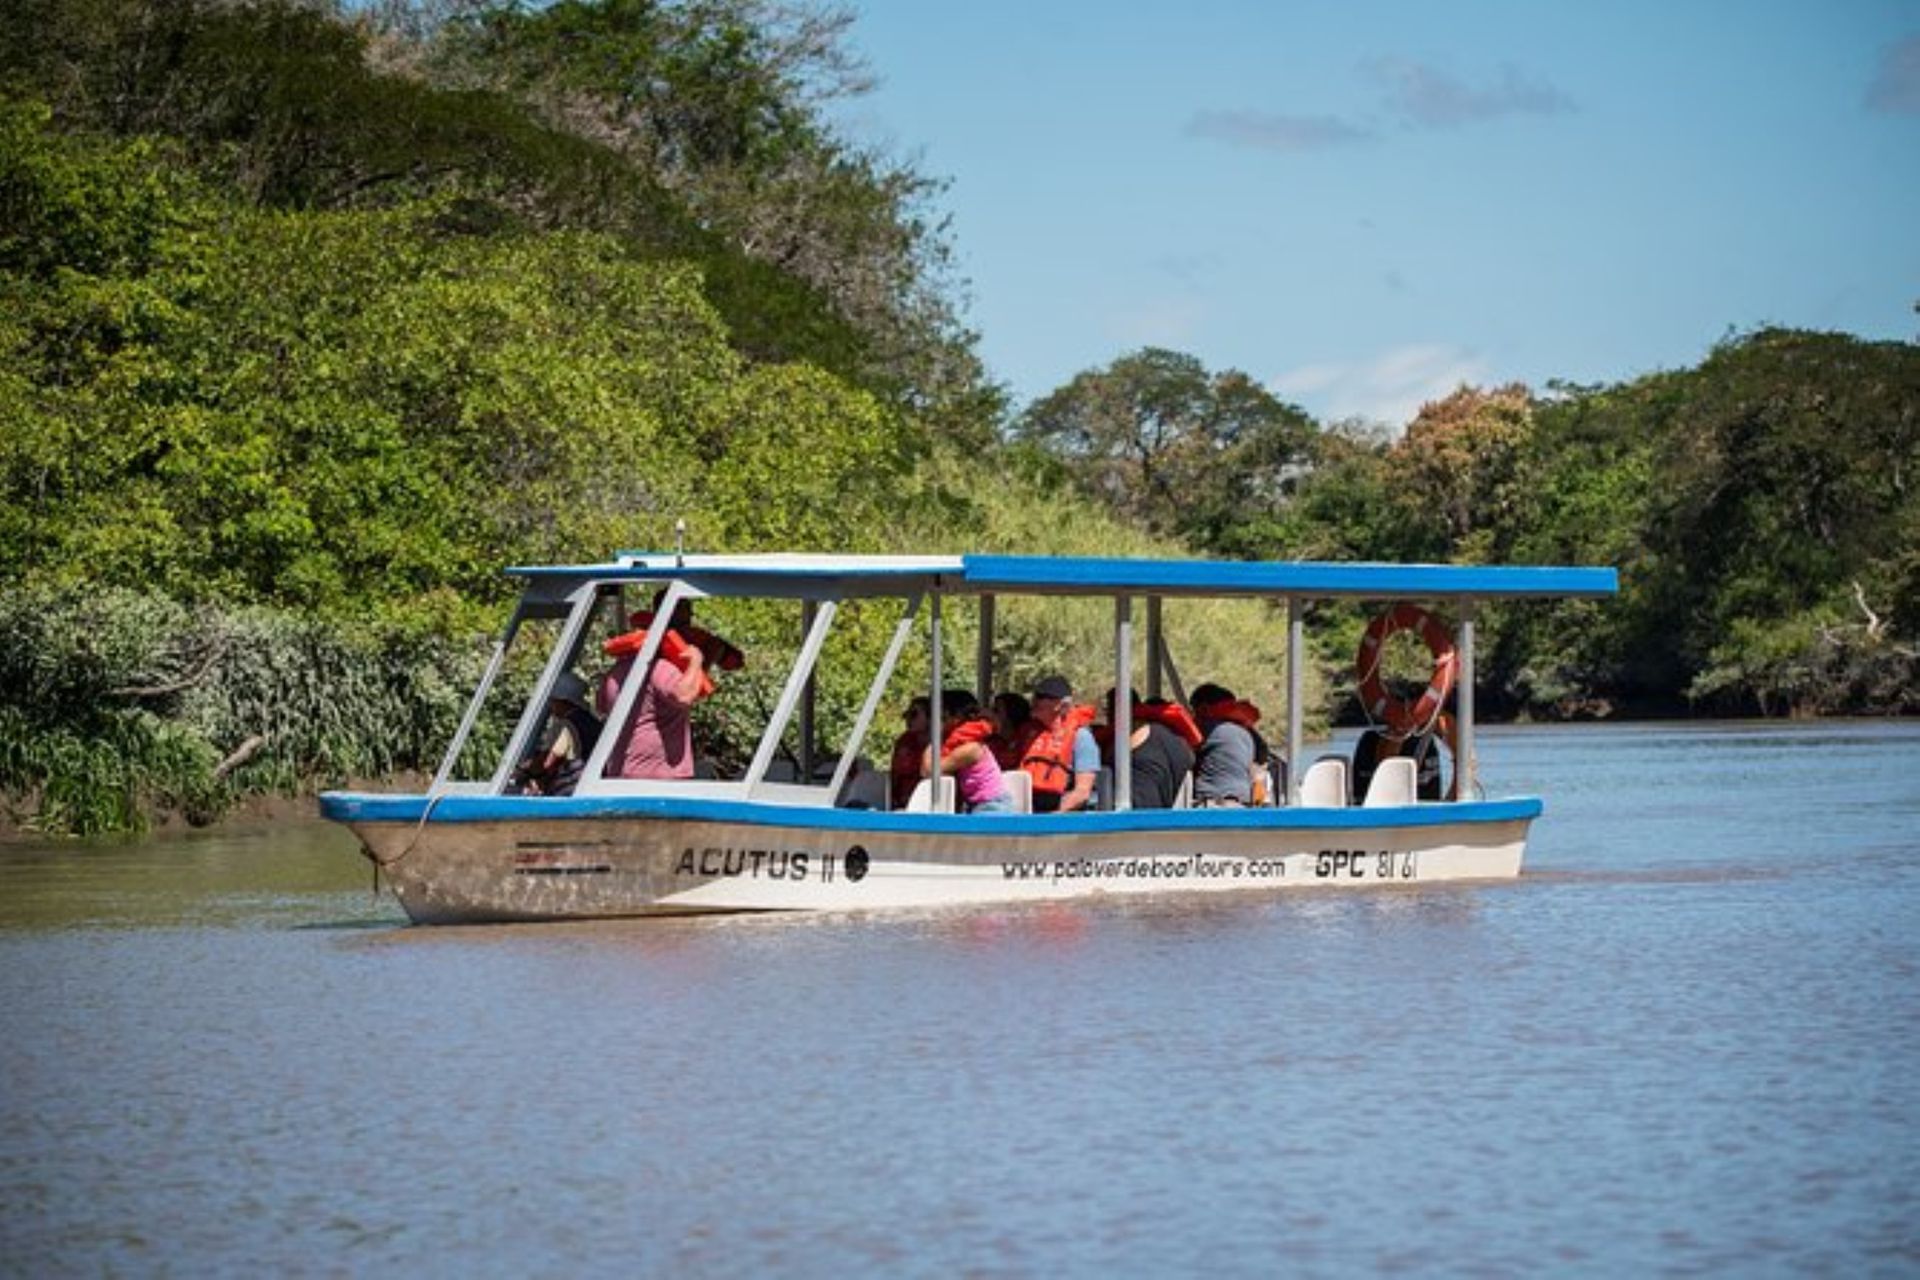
[[118, 707]]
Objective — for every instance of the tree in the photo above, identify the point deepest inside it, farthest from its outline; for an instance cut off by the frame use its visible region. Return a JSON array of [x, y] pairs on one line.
[[1459, 464], [1181, 450], [720, 101]]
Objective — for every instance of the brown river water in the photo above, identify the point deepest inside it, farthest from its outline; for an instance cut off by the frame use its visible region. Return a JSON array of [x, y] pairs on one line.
[[1686, 1041]]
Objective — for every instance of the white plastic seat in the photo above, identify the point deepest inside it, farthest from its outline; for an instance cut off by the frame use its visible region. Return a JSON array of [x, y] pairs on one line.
[[866, 789], [1183, 799], [921, 801], [1020, 787], [1395, 782], [1324, 785]]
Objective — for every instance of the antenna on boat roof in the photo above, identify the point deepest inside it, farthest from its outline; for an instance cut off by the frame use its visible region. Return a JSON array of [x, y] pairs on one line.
[[680, 543]]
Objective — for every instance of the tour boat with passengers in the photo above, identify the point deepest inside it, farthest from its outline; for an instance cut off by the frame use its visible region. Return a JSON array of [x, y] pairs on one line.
[[795, 835]]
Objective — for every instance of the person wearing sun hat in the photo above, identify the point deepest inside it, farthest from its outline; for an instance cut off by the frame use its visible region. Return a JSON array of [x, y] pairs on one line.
[[1057, 750], [553, 767]]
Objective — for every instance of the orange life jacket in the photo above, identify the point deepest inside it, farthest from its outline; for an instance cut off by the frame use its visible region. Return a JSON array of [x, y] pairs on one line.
[[672, 648], [976, 730], [718, 652], [1244, 714], [1173, 716], [1046, 754]]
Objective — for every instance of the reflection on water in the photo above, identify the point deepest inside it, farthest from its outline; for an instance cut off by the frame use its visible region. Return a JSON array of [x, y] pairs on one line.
[[1683, 1042]]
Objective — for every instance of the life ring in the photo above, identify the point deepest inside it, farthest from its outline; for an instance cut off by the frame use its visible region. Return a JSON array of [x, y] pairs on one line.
[[1400, 717]]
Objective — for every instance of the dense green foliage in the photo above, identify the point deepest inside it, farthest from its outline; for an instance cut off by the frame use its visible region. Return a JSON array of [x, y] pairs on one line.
[[1761, 509], [1207, 457], [313, 316], [308, 326]]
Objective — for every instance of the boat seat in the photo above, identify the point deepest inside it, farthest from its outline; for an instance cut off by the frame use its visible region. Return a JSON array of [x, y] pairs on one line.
[[1020, 787], [1184, 798], [1324, 786], [865, 789], [921, 801], [1395, 782]]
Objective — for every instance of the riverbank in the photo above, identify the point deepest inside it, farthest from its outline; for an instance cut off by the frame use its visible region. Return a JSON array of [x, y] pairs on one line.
[[244, 813]]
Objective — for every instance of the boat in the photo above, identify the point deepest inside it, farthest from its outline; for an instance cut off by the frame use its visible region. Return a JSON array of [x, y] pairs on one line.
[[798, 837]]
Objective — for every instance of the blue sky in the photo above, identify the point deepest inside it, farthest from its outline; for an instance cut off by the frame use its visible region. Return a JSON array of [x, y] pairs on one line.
[[1363, 205]]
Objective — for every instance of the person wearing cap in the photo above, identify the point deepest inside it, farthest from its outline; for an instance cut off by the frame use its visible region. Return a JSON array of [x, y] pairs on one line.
[[1057, 750], [553, 767]]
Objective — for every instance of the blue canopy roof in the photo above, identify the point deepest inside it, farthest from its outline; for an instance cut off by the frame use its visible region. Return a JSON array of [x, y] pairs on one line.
[[1090, 576], [1280, 578]]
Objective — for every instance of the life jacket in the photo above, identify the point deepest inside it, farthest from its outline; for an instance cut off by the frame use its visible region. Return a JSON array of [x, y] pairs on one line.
[[1046, 754], [672, 648], [979, 729], [718, 652], [1244, 714], [1173, 716]]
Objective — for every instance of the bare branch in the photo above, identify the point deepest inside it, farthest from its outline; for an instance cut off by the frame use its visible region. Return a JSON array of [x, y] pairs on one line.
[[241, 754], [1875, 625]]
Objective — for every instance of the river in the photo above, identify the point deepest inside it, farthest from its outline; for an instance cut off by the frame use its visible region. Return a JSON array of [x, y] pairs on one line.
[[1686, 1041]]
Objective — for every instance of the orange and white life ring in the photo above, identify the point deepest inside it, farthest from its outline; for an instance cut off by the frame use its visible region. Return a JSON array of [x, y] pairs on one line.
[[1400, 717]]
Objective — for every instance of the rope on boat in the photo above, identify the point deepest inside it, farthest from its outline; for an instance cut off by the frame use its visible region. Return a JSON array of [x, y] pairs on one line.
[[433, 802]]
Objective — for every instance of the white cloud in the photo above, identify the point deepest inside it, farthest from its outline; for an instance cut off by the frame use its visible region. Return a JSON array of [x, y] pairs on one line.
[[1427, 97], [1389, 387]]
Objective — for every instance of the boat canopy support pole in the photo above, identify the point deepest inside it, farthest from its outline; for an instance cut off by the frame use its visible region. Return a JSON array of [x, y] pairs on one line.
[[790, 696], [1173, 673], [581, 605], [1123, 703], [808, 610], [1466, 767], [936, 732], [983, 653], [592, 776], [1156, 647], [495, 661], [1296, 688], [902, 632]]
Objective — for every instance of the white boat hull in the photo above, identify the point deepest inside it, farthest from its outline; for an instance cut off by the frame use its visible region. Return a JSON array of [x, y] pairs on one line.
[[460, 867]]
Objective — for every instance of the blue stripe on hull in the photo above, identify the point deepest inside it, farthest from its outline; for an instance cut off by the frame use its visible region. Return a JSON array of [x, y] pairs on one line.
[[355, 806]]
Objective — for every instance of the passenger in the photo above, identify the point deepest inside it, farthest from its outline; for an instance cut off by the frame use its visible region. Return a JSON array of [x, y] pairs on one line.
[[553, 767], [966, 756], [1227, 765], [658, 739], [908, 751], [1010, 712], [1161, 757], [1056, 748]]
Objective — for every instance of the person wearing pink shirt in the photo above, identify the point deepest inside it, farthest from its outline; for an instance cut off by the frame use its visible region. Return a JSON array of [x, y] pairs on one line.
[[658, 739]]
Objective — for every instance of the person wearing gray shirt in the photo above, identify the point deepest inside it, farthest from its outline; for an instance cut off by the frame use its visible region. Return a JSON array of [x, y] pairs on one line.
[[1223, 771]]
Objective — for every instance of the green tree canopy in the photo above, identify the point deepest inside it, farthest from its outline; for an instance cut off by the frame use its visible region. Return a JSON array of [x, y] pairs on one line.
[[1180, 449]]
